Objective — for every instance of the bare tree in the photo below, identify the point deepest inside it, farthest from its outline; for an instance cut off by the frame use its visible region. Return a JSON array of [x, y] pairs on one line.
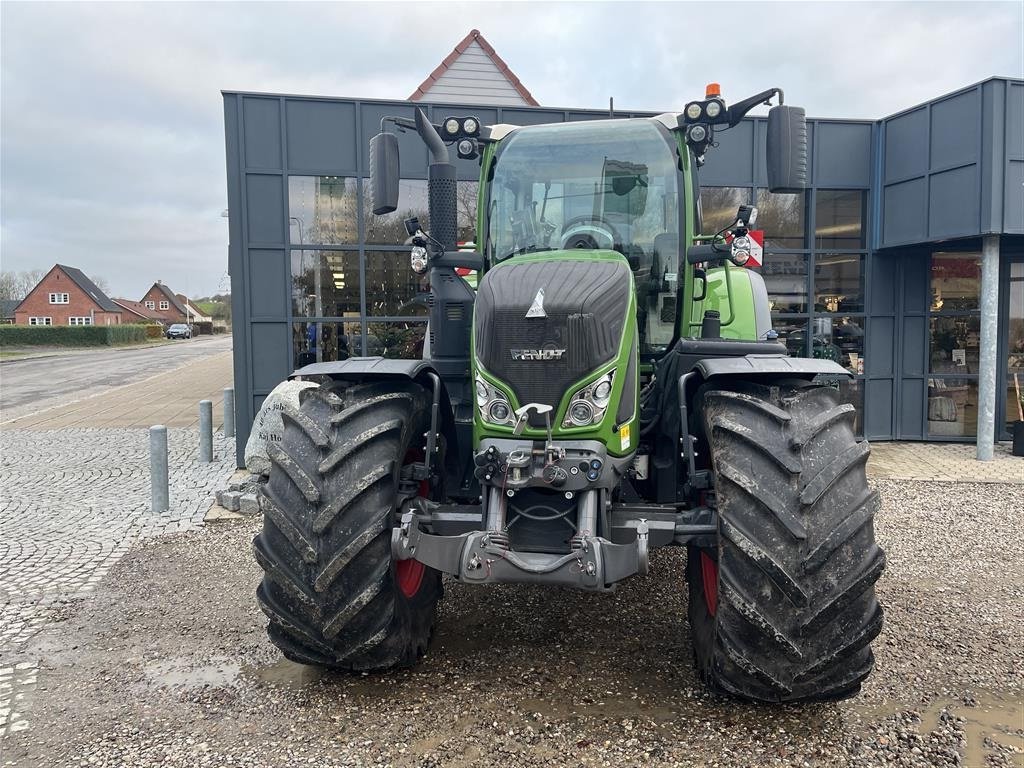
[[101, 283], [16, 285]]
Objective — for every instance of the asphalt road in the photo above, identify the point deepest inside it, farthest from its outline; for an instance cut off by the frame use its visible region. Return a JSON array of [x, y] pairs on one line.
[[31, 384]]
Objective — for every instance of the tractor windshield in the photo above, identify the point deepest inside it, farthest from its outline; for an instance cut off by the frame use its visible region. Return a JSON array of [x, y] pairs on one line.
[[608, 184]]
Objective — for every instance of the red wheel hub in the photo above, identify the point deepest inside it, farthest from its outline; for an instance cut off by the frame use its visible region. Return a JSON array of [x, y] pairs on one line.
[[709, 575], [409, 573], [409, 576]]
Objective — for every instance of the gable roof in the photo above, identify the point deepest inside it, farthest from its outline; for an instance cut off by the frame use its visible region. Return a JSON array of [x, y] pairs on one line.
[[171, 297], [474, 73], [190, 305], [7, 307], [137, 308], [79, 278]]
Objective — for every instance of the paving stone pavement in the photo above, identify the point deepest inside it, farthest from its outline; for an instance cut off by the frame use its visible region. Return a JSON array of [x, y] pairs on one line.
[[72, 502], [954, 462]]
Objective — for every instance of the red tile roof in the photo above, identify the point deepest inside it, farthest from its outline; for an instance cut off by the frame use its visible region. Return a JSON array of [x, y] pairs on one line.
[[474, 35]]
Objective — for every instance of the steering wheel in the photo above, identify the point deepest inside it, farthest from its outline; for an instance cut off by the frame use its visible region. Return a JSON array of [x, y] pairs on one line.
[[589, 232]]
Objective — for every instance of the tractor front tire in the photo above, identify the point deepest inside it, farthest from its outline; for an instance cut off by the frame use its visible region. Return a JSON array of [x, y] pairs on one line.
[[333, 594], [784, 608]]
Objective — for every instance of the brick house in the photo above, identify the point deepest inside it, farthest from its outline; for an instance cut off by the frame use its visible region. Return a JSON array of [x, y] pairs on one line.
[[195, 314], [137, 312], [66, 296], [162, 300]]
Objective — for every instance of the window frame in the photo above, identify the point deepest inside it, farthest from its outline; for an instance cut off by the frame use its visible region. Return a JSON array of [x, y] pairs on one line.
[[164, 306], [40, 320], [82, 320], [60, 298]]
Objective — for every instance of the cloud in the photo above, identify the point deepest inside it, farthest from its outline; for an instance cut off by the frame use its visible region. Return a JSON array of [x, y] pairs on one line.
[[111, 132]]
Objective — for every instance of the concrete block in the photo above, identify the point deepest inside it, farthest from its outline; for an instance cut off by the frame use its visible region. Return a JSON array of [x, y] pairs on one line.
[[248, 504], [230, 500]]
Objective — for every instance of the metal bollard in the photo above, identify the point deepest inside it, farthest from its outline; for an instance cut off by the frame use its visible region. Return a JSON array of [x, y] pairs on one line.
[[160, 495], [229, 412], [205, 431]]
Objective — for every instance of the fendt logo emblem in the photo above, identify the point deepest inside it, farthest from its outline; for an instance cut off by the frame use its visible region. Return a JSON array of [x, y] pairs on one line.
[[537, 354], [537, 308]]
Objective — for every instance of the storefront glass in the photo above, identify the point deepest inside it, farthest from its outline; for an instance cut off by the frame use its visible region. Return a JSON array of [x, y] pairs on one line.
[[839, 219], [323, 210], [325, 283], [1014, 404], [954, 343], [389, 229]]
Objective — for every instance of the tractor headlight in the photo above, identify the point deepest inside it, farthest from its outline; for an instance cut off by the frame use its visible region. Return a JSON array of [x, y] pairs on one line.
[[451, 126], [697, 133], [493, 404], [499, 411], [470, 126], [581, 413], [713, 109], [418, 259], [694, 111], [588, 405]]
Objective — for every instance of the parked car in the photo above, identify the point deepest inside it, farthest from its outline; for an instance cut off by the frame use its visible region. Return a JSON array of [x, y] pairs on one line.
[[179, 331]]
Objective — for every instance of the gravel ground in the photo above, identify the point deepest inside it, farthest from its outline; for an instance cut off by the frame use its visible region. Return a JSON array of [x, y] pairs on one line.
[[168, 664]]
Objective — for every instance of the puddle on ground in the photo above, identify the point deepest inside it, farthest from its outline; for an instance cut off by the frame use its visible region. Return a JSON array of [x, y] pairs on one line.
[[988, 717], [185, 673], [285, 674]]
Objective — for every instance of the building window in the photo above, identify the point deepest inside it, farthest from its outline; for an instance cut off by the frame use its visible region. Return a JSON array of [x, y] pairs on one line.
[[324, 341], [40, 321], [719, 205], [323, 210], [839, 282], [165, 305], [392, 288], [782, 217], [785, 277], [466, 203], [954, 344], [326, 283], [839, 219], [389, 228], [150, 305], [79, 321], [59, 298], [397, 340]]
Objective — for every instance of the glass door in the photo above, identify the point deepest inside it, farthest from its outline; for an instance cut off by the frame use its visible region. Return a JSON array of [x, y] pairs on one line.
[[1014, 362]]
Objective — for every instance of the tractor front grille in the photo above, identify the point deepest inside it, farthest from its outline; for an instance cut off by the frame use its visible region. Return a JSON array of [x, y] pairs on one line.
[[585, 304]]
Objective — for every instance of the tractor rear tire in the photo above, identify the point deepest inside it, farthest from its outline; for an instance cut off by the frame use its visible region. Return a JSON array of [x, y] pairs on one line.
[[784, 608], [332, 593]]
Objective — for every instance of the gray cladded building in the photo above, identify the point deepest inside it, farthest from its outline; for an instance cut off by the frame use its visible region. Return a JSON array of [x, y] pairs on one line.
[[877, 265]]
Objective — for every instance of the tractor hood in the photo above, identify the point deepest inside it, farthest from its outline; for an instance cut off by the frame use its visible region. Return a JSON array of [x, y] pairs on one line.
[[543, 321]]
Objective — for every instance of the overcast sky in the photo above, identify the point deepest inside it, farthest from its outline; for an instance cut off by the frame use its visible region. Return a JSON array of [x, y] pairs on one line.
[[112, 130]]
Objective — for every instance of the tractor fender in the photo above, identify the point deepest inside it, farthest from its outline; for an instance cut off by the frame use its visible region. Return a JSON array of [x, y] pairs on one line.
[[749, 366], [423, 372]]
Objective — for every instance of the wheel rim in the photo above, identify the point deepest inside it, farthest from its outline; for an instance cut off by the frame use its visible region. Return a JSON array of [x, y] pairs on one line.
[[409, 573], [709, 576]]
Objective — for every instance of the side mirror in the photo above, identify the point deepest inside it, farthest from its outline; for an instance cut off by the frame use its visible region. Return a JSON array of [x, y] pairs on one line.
[[384, 172], [786, 150]]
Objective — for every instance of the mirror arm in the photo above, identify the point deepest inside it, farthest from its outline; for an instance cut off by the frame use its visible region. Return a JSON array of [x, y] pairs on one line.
[[738, 111]]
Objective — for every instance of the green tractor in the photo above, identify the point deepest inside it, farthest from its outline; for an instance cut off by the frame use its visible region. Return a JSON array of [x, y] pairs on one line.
[[612, 384]]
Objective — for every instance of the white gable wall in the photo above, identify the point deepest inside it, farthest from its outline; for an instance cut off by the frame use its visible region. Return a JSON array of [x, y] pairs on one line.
[[474, 78]]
